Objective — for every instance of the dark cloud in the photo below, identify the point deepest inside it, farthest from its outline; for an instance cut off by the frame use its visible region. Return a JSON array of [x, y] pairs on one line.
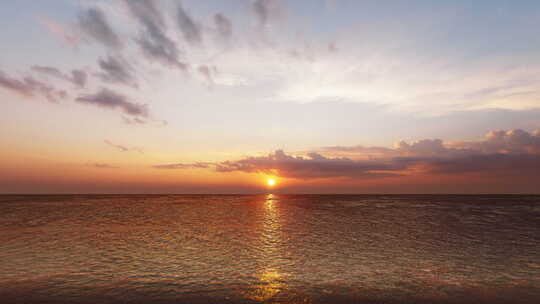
[[223, 25], [313, 166], [93, 23], [492, 165], [146, 12], [116, 70], [122, 148], [109, 99], [502, 153], [185, 166], [189, 28], [513, 141], [30, 87], [77, 77], [266, 10], [207, 72], [153, 41]]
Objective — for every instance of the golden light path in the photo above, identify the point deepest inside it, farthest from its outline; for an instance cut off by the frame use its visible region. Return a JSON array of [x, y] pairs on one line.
[[272, 283]]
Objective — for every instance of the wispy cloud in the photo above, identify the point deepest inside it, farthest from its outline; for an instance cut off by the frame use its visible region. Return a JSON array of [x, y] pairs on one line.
[[77, 77], [207, 72], [267, 10], [198, 165], [190, 30], [30, 87], [117, 70], [153, 41], [59, 30], [122, 148], [103, 166], [107, 98], [224, 26], [133, 121], [95, 25]]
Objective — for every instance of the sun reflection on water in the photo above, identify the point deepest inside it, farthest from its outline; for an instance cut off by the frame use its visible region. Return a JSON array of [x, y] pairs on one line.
[[270, 284], [271, 281]]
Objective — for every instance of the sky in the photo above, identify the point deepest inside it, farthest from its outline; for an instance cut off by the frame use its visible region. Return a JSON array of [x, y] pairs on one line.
[[218, 96]]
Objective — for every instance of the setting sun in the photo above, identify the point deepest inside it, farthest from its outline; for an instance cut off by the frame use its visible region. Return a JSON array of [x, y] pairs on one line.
[[271, 182]]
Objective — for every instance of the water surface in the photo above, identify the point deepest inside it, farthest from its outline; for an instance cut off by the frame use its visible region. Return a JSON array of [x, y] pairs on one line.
[[270, 248]]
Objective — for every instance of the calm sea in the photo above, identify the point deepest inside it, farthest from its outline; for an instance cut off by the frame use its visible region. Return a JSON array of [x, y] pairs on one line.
[[270, 248]]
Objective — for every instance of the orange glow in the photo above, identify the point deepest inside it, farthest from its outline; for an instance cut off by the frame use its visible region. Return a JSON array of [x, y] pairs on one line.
[[271, 182]]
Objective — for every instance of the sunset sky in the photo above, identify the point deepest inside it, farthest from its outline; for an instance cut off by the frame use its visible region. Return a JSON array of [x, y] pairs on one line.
[[218, 96]]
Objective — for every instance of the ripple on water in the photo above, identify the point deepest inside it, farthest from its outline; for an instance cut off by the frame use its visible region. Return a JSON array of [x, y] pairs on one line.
[[282, 249]]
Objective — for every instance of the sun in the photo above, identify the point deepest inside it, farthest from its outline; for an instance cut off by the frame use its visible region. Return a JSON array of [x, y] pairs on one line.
[[271, 182]]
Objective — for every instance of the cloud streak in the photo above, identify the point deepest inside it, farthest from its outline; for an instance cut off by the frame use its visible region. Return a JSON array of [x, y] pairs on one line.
[[103, 166], [153, 41], [107, 98], [224, 26], [94, 24], [198, 165], [122, 148], [30, 87], [117, 70], [59, 30], [191, 31], [267, 10], [77, 77]]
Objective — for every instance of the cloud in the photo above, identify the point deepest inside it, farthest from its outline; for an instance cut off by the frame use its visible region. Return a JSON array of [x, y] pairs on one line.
[[185, 166], [153, 41], [30, 87], [109, 99], [133, 121], [103, 166], [513, 141], [189, 28], [116, 70], [495, 142], [491, 165], [207, 72], [422, 147], [314, 165], [60, 31], [266, 10], [519, 156], [93, 23], [77, 77], [122, 148], [361, 150], [223, 25], [15, 85]]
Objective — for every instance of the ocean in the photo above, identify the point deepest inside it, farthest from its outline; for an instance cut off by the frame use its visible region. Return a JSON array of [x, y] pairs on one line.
[[270, 249]]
